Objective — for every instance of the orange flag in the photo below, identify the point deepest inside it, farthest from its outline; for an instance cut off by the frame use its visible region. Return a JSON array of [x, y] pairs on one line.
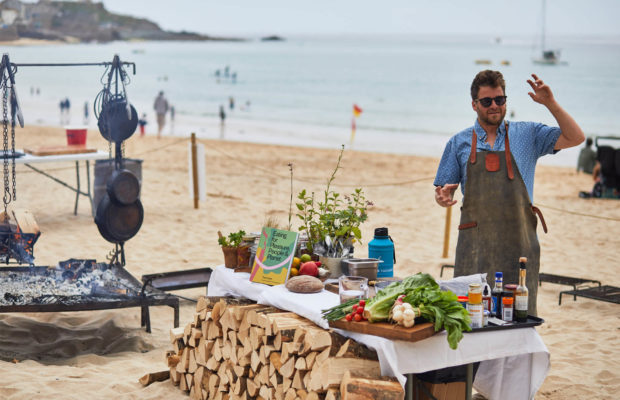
[[356, 110]]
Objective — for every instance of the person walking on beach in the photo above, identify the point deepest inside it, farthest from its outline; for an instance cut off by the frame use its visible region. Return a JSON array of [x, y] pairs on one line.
[[222, 115], [587, 158], [494, 162], [142, 123], [222, 121], [161, 108], [86, 113], [68, 110]]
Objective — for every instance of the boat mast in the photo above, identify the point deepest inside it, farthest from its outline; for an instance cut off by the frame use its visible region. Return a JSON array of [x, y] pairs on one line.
[[544, 19]]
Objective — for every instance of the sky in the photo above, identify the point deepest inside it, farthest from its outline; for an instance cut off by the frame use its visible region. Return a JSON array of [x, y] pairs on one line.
[[297, 17]]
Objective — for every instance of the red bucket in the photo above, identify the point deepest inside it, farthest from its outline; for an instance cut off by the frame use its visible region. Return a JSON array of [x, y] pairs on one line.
[[76, 136]]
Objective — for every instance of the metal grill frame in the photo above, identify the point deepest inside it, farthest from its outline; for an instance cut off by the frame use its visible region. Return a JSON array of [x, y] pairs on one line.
[[147, 298]]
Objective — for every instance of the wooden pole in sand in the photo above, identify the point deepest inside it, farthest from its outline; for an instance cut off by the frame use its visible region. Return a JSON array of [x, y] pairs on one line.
[[195, 171], [446, 234]]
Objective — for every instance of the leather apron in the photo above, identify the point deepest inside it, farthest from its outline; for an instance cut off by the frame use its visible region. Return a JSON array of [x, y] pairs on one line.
[[498, 221]]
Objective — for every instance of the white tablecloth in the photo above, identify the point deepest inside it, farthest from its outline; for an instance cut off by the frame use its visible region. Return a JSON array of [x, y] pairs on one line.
[[514, 362]]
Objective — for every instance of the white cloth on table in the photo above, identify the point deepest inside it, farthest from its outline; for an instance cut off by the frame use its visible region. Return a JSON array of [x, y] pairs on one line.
[[513, 362]]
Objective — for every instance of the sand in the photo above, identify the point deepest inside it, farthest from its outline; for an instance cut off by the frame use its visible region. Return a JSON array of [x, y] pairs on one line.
[[101, 354]]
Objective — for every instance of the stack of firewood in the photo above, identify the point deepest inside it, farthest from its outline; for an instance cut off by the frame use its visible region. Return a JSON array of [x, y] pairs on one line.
[[237, 350]]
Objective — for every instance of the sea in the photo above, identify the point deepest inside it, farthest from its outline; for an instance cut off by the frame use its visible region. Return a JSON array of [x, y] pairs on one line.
[[413, 90]]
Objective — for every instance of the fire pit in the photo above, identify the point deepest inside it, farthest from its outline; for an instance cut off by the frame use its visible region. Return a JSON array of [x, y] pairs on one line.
[[78, 285]]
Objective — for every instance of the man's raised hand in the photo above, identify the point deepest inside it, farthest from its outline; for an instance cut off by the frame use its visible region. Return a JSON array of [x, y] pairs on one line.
[[444, 194]]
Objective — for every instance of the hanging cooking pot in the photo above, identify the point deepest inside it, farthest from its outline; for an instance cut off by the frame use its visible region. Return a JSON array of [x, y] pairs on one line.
[[118, 223], [123, 187], [117, 123]]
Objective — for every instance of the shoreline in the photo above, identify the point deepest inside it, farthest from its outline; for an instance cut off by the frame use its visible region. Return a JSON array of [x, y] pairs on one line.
[[21, 42]]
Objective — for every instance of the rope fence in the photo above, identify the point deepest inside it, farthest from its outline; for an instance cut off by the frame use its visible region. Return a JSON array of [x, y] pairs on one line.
[[316, 181]]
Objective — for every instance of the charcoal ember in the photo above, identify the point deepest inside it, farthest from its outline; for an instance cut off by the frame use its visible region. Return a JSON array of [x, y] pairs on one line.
[[68, 275], [13, 298], [70, 283]]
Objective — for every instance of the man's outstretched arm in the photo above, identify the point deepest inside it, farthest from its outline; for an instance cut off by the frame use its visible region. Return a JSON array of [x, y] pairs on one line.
[[572, 135]]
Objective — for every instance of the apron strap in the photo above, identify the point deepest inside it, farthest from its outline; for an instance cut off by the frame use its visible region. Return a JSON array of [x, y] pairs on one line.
[[540, 216], [511, 174], [474, 141]]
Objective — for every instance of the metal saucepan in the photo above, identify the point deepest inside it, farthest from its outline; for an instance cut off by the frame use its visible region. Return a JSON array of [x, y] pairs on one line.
[[115, 123], [123, 187], [118, 223]]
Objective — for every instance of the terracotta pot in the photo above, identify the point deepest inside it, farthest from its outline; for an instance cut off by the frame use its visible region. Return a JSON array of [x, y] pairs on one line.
[[243, 256], [230, 257]]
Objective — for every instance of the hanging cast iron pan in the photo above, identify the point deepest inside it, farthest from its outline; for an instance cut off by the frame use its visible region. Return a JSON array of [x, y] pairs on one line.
[[117, 122], [118, 223], [123, 187]]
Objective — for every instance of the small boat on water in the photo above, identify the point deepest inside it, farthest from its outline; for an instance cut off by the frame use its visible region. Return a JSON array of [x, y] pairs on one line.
[[548, 56]]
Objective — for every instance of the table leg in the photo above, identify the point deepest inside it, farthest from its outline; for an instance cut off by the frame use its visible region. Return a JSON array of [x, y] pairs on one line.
[[409, 387], [77, 193], [469, 381], [88, 191]]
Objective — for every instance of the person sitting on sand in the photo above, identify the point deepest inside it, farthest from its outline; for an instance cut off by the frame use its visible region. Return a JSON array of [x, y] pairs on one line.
[[587, 158]]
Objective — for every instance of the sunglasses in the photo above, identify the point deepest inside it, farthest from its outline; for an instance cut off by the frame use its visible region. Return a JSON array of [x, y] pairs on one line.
[[487, 101]]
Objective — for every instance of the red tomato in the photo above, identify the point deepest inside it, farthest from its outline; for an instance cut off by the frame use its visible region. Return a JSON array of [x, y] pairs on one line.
[[360, 310], [357, 318], [362, 303], [348, 317], [355, 307]]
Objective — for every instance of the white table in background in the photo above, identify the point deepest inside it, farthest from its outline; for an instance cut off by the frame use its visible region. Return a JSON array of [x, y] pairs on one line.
[[513, 362], [29, 159]]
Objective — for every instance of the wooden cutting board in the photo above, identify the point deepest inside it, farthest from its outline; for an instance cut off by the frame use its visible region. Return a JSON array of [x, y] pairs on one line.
[[57, 150], [389, 331]]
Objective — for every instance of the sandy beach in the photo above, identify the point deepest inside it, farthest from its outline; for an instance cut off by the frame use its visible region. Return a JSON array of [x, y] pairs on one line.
[[102, 354]]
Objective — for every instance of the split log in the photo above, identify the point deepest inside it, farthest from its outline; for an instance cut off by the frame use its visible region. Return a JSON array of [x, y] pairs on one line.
[[359, 386], [332, 394], [176, 334], [173, 360], [333, 369], [175, 376], [288, 368], [154, 377]]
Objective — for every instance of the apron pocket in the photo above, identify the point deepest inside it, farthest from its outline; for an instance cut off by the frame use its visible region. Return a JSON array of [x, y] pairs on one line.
[[491, 162], [468, 225]]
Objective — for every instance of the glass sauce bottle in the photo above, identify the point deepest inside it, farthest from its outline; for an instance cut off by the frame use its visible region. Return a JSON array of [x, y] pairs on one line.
[[496, 295], [521, 294], [474, 305]]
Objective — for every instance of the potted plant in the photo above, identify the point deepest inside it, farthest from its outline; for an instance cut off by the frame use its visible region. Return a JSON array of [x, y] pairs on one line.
[[332, 224], [231, 246]]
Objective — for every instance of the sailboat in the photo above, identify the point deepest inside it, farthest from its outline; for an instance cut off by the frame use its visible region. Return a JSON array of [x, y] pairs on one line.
[[548, 56]]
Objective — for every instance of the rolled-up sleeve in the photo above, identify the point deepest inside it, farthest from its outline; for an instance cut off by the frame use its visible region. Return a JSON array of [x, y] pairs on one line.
[[545, 138], [449, 170]]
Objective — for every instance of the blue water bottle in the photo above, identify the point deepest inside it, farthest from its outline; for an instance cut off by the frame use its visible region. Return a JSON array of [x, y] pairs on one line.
[[382, 247]]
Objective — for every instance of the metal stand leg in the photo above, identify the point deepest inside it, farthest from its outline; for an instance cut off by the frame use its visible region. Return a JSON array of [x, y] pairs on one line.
[[176, 315], [147, 318], [88, 191], [409, 387], [469, 381], [77, 193]]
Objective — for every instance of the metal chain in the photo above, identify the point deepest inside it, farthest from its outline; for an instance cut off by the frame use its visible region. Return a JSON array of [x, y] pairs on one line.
[[13, 158], [5, 141]]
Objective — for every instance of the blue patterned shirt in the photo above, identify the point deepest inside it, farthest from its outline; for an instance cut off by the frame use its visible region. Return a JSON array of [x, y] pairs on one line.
[[528, 142]]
